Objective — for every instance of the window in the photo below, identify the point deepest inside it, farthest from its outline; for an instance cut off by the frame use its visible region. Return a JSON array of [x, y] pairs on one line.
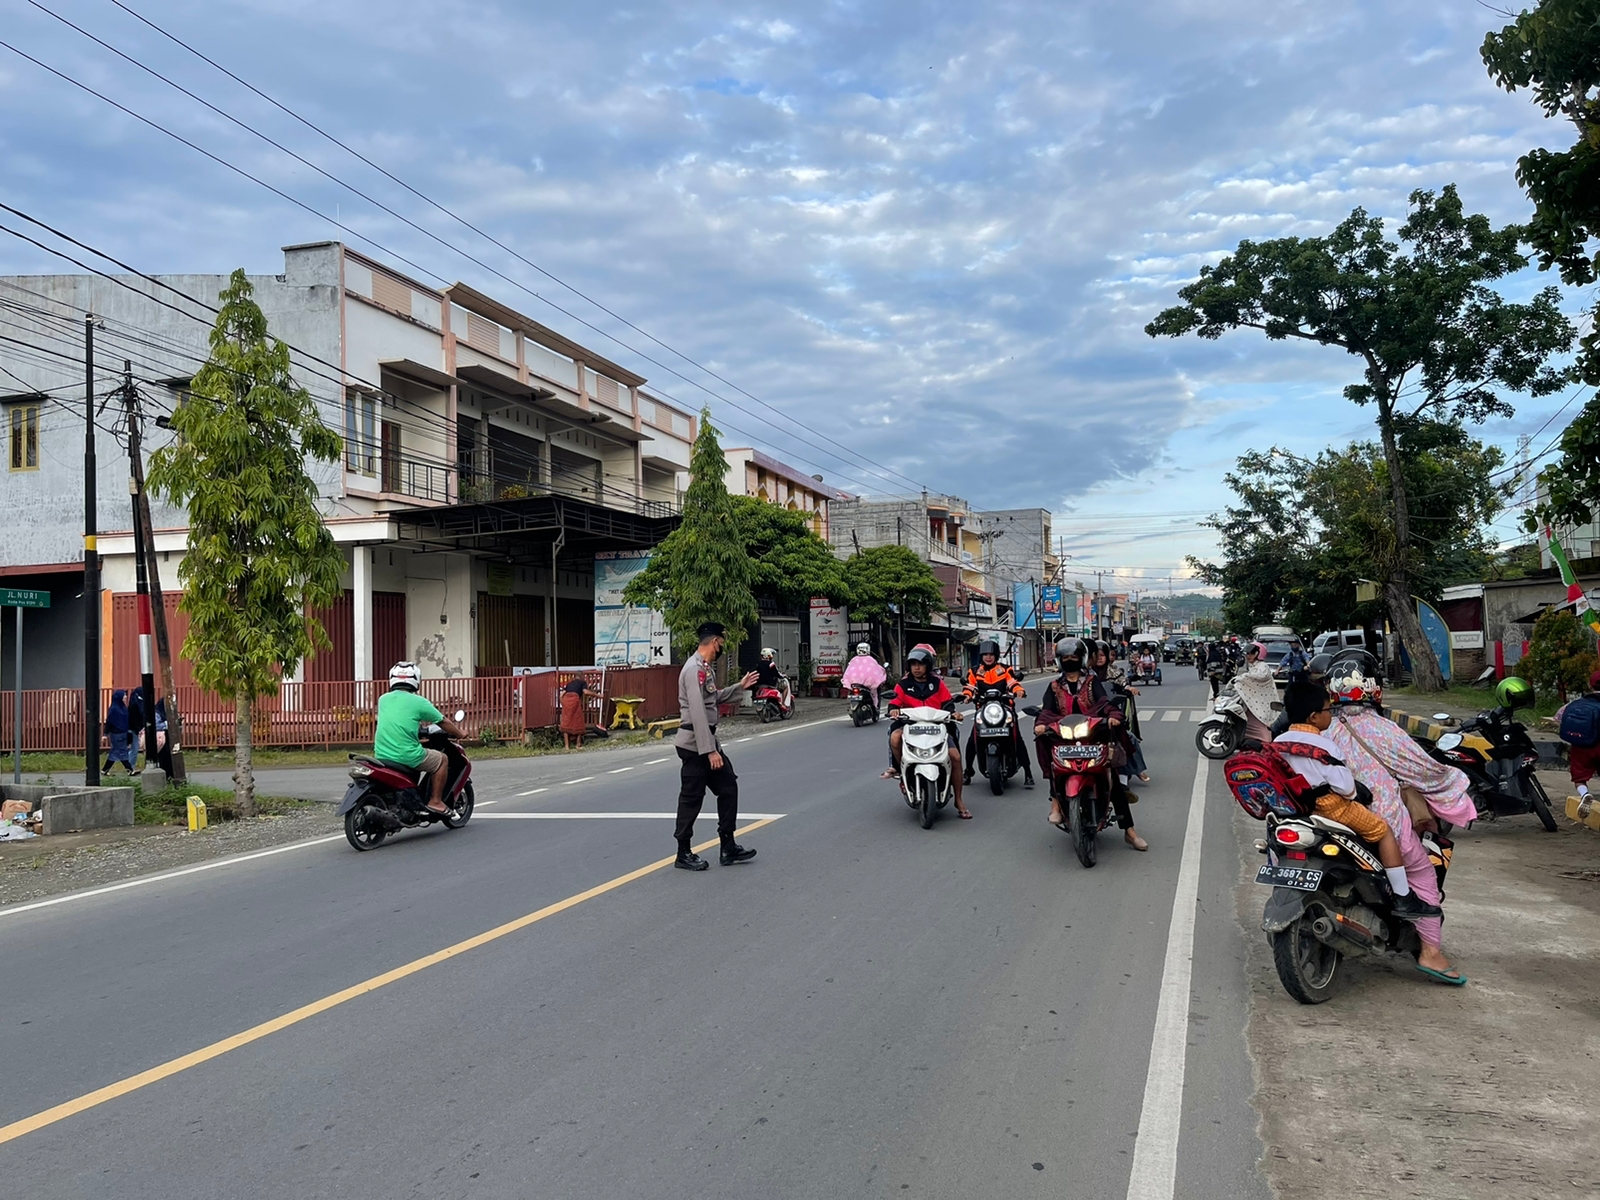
[[360, 426], [25, 437], [391, 457]]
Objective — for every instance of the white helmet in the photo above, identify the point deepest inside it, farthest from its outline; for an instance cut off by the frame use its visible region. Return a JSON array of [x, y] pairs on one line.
[[768, 654], [863, 648], [404, 674]]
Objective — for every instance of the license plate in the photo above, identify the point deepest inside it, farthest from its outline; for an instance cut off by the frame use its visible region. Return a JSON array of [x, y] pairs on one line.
[[1080, 751], [926, 730], [1307, 879]]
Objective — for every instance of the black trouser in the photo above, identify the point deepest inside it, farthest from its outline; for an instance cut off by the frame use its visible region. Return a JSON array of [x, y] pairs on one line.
[[1216, 684], [698, 775]]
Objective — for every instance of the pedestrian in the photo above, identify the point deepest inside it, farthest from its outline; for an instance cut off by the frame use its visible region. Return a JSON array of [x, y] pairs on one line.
[[1579, 723], [117, 735], [1294, 661], [573, 723], [704, 764]]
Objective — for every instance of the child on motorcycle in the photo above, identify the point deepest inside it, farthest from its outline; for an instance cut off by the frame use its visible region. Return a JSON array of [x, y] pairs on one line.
[[1316, 760]]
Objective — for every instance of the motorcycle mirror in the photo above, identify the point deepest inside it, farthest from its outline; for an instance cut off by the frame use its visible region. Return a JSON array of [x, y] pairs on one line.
[[1443, 718], [1033, 710], [461, 714]]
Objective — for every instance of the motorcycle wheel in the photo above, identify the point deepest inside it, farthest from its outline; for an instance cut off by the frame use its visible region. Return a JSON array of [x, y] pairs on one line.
[[1541, 804], [856, 718], [995, 769], [766, 713], [928, 802], [1082, 824], [1306, 967], [461, 810], [1216, 741], [362, 833]]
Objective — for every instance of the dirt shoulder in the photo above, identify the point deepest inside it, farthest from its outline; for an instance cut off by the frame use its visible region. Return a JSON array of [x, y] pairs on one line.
[[1399, 1087]]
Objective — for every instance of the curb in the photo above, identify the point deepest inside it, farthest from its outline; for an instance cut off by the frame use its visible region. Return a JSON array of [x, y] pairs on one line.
[[1551, 756]]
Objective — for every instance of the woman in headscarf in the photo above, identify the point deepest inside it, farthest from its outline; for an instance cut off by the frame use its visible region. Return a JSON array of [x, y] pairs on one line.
[[117, 732], [573, 722], [1259, 691], [1383, 756]]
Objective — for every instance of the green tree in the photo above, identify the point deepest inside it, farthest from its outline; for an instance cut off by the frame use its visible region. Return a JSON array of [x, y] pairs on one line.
[[701, 572], [885, 579], [1209, 627], [1553, 50], [1560, 653], [1434, 339], [259, 556], [788, 561]]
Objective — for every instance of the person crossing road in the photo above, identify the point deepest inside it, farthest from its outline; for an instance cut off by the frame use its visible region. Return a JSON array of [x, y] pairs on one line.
[[705, 765]]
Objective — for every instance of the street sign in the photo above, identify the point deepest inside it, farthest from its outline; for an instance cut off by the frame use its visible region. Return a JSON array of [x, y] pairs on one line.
[[23, 598]]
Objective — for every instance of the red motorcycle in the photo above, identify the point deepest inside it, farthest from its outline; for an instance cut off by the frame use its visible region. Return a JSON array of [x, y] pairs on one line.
[[1082, 758], [384, 799], [772, 704]]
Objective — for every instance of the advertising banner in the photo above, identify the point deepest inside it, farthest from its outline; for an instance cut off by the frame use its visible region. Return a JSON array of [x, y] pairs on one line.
[[830, 637], [625, 636], [1050, 604], [1022, 614]]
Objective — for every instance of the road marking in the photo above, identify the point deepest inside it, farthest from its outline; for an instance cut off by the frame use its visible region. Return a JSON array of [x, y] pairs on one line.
[[654, 761], [619, 771], [1172, 714], [609, 816], [256, 1032], [736, 741], [1197, 715], [1155, 1151], [12, 910], [581, 779], [535, 792]]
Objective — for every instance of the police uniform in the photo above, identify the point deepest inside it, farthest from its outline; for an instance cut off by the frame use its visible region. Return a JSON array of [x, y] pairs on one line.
[[698, 701]]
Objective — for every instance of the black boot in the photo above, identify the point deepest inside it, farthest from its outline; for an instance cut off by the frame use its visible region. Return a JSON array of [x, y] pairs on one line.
[[688, 860], [1412, 907], [733, 853], [1027, 779]]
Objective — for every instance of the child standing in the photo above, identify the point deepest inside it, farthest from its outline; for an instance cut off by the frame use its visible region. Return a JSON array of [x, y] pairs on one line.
[[1580, 729]]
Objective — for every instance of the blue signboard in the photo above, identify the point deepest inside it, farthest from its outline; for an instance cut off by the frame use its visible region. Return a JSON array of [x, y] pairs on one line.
[[1437, 633], [1050, 605], [1022, 614]]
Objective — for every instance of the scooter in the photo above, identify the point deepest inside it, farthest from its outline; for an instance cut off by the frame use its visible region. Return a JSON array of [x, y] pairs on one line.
[[773, 705], [1222, 730], [995, 726], [1081, 762], [384, 799], [1500, 761], [926, 781], [863, 705]]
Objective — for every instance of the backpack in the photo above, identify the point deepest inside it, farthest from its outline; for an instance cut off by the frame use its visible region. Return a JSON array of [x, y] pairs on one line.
[[1262, 781], [1580, 722]]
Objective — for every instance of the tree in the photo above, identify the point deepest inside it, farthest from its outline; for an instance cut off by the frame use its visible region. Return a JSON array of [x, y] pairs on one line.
[[1434, 339], [1209, 627], [259, 557], [788, 561], [887, 580], [701, 572], [1554, 50], [1560, 653]]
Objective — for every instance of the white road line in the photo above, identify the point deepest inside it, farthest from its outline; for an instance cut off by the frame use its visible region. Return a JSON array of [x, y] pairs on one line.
[[654, 761], [1197, 715], [535, 792], [609, 816], [1172, 714], [619, 771], [1155, 1152], [12, 910], [483, 804], [580, 779], [736, 741]]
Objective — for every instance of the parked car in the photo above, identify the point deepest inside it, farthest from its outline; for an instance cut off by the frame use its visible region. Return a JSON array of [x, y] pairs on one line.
[[1333, 641]]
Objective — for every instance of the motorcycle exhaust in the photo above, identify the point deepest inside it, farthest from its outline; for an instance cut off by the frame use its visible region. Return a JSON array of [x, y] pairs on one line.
[[1343, 933]]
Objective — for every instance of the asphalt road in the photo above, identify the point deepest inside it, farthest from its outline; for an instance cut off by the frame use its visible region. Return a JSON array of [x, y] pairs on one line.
[[866, 1009]]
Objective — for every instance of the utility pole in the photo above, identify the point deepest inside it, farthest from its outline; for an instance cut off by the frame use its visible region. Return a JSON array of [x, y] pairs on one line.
[[147, 683], [91, 574]]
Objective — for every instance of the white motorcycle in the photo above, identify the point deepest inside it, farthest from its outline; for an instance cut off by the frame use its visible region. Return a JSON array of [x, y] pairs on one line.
[[926, 781], [1222, 730]]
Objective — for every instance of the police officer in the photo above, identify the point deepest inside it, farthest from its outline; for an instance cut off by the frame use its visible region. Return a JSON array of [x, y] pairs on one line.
[[704, 763]]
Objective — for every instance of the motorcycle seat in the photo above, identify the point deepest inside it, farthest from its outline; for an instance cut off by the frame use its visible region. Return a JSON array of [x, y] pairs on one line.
[[1328, 823], [412, 772]]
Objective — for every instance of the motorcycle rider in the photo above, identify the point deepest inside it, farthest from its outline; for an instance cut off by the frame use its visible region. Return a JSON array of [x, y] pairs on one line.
[[1077, 690], [923, 688], [401, 715], [864, 671], [1218, 661], [768, 675], [1259, 691], [992, 673]]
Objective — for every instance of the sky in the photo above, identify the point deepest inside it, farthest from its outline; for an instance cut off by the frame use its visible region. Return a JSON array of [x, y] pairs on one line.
[[921, 240]]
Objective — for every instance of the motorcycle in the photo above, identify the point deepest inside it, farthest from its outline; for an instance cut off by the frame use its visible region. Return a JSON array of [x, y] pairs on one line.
[[384, 799], [863, 705], [1082, 752], [1330, 900], [773, 705], [995, 724], [1500, 761], [1222, 730], [926, 781]]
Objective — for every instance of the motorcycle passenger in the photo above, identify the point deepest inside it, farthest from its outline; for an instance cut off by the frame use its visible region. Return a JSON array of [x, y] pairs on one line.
[[1077, 690], [1122, 693], [768, 675], [401, 715], [922, 688], [1310, 711], [864, 671], [1384, 757], [992, 673]]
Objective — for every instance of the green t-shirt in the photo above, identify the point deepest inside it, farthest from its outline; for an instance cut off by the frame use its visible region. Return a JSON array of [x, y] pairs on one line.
[[400, 716]]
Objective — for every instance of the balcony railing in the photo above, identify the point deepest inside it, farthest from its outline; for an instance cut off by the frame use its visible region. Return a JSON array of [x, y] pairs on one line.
[[488, 477]]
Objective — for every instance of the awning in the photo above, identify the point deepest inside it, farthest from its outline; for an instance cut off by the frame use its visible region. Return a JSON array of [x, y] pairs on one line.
[[506, 385], [413, 370], [657, 463]]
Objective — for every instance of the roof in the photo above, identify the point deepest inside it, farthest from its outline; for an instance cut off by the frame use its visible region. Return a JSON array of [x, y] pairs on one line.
[[793, 474], [475, 301]]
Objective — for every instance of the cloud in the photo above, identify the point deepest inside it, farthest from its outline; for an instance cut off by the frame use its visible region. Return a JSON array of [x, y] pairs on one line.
[[930, 231]]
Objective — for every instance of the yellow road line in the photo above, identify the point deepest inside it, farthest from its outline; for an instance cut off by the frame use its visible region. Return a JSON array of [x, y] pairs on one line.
[[255, 1033]]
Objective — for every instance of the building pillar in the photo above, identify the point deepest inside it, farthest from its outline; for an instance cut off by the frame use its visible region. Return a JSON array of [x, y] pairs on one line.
[[361, 607]]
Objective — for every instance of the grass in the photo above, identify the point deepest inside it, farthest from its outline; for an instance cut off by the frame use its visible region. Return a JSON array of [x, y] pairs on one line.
[[170, 806], [1461, 695]]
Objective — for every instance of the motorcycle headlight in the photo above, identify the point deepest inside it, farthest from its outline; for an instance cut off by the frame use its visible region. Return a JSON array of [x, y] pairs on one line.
[[1075, 729], [993, 713], [1449, 741], [927, 752]]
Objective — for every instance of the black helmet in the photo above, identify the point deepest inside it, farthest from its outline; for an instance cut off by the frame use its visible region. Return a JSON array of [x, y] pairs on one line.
[[1317, 668], [1072, 654], [989, 646], [921, 654]]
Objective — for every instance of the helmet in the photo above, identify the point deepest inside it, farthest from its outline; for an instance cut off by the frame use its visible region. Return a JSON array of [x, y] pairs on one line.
[[404, 674], [1071, 654], [1259, 648], [768, 654], [863, 648], [921, 653], [1318, 666], [988, 646], [1514, 692], [1353, 679]]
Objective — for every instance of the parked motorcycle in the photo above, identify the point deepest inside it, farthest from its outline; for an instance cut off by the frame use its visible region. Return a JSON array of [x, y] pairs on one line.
[[772, 703], [1330, 900], [926, 781], [1081, 761], [863, 705], [1221, 732], [995, 722], [1500, 761], [384, 799]]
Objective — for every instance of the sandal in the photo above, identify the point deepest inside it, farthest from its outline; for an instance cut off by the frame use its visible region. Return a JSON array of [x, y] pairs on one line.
[[965, 816], [1134, 840], [889, 774], [1456, 980]]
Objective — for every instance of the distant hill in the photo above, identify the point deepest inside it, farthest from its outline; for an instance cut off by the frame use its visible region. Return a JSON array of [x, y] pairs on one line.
[[1185, 607]]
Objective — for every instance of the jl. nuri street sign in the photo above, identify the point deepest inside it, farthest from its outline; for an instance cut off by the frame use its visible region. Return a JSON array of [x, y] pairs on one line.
[[23, 598]]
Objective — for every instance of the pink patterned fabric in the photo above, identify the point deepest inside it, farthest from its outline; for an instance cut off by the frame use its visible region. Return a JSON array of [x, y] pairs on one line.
[[1401, 761], [865, 671]]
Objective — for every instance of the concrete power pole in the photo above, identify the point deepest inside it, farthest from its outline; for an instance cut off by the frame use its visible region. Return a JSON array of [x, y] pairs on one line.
[[91, 573]]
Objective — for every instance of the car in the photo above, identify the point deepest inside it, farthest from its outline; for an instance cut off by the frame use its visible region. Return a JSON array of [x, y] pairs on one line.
[[1332, 641]]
